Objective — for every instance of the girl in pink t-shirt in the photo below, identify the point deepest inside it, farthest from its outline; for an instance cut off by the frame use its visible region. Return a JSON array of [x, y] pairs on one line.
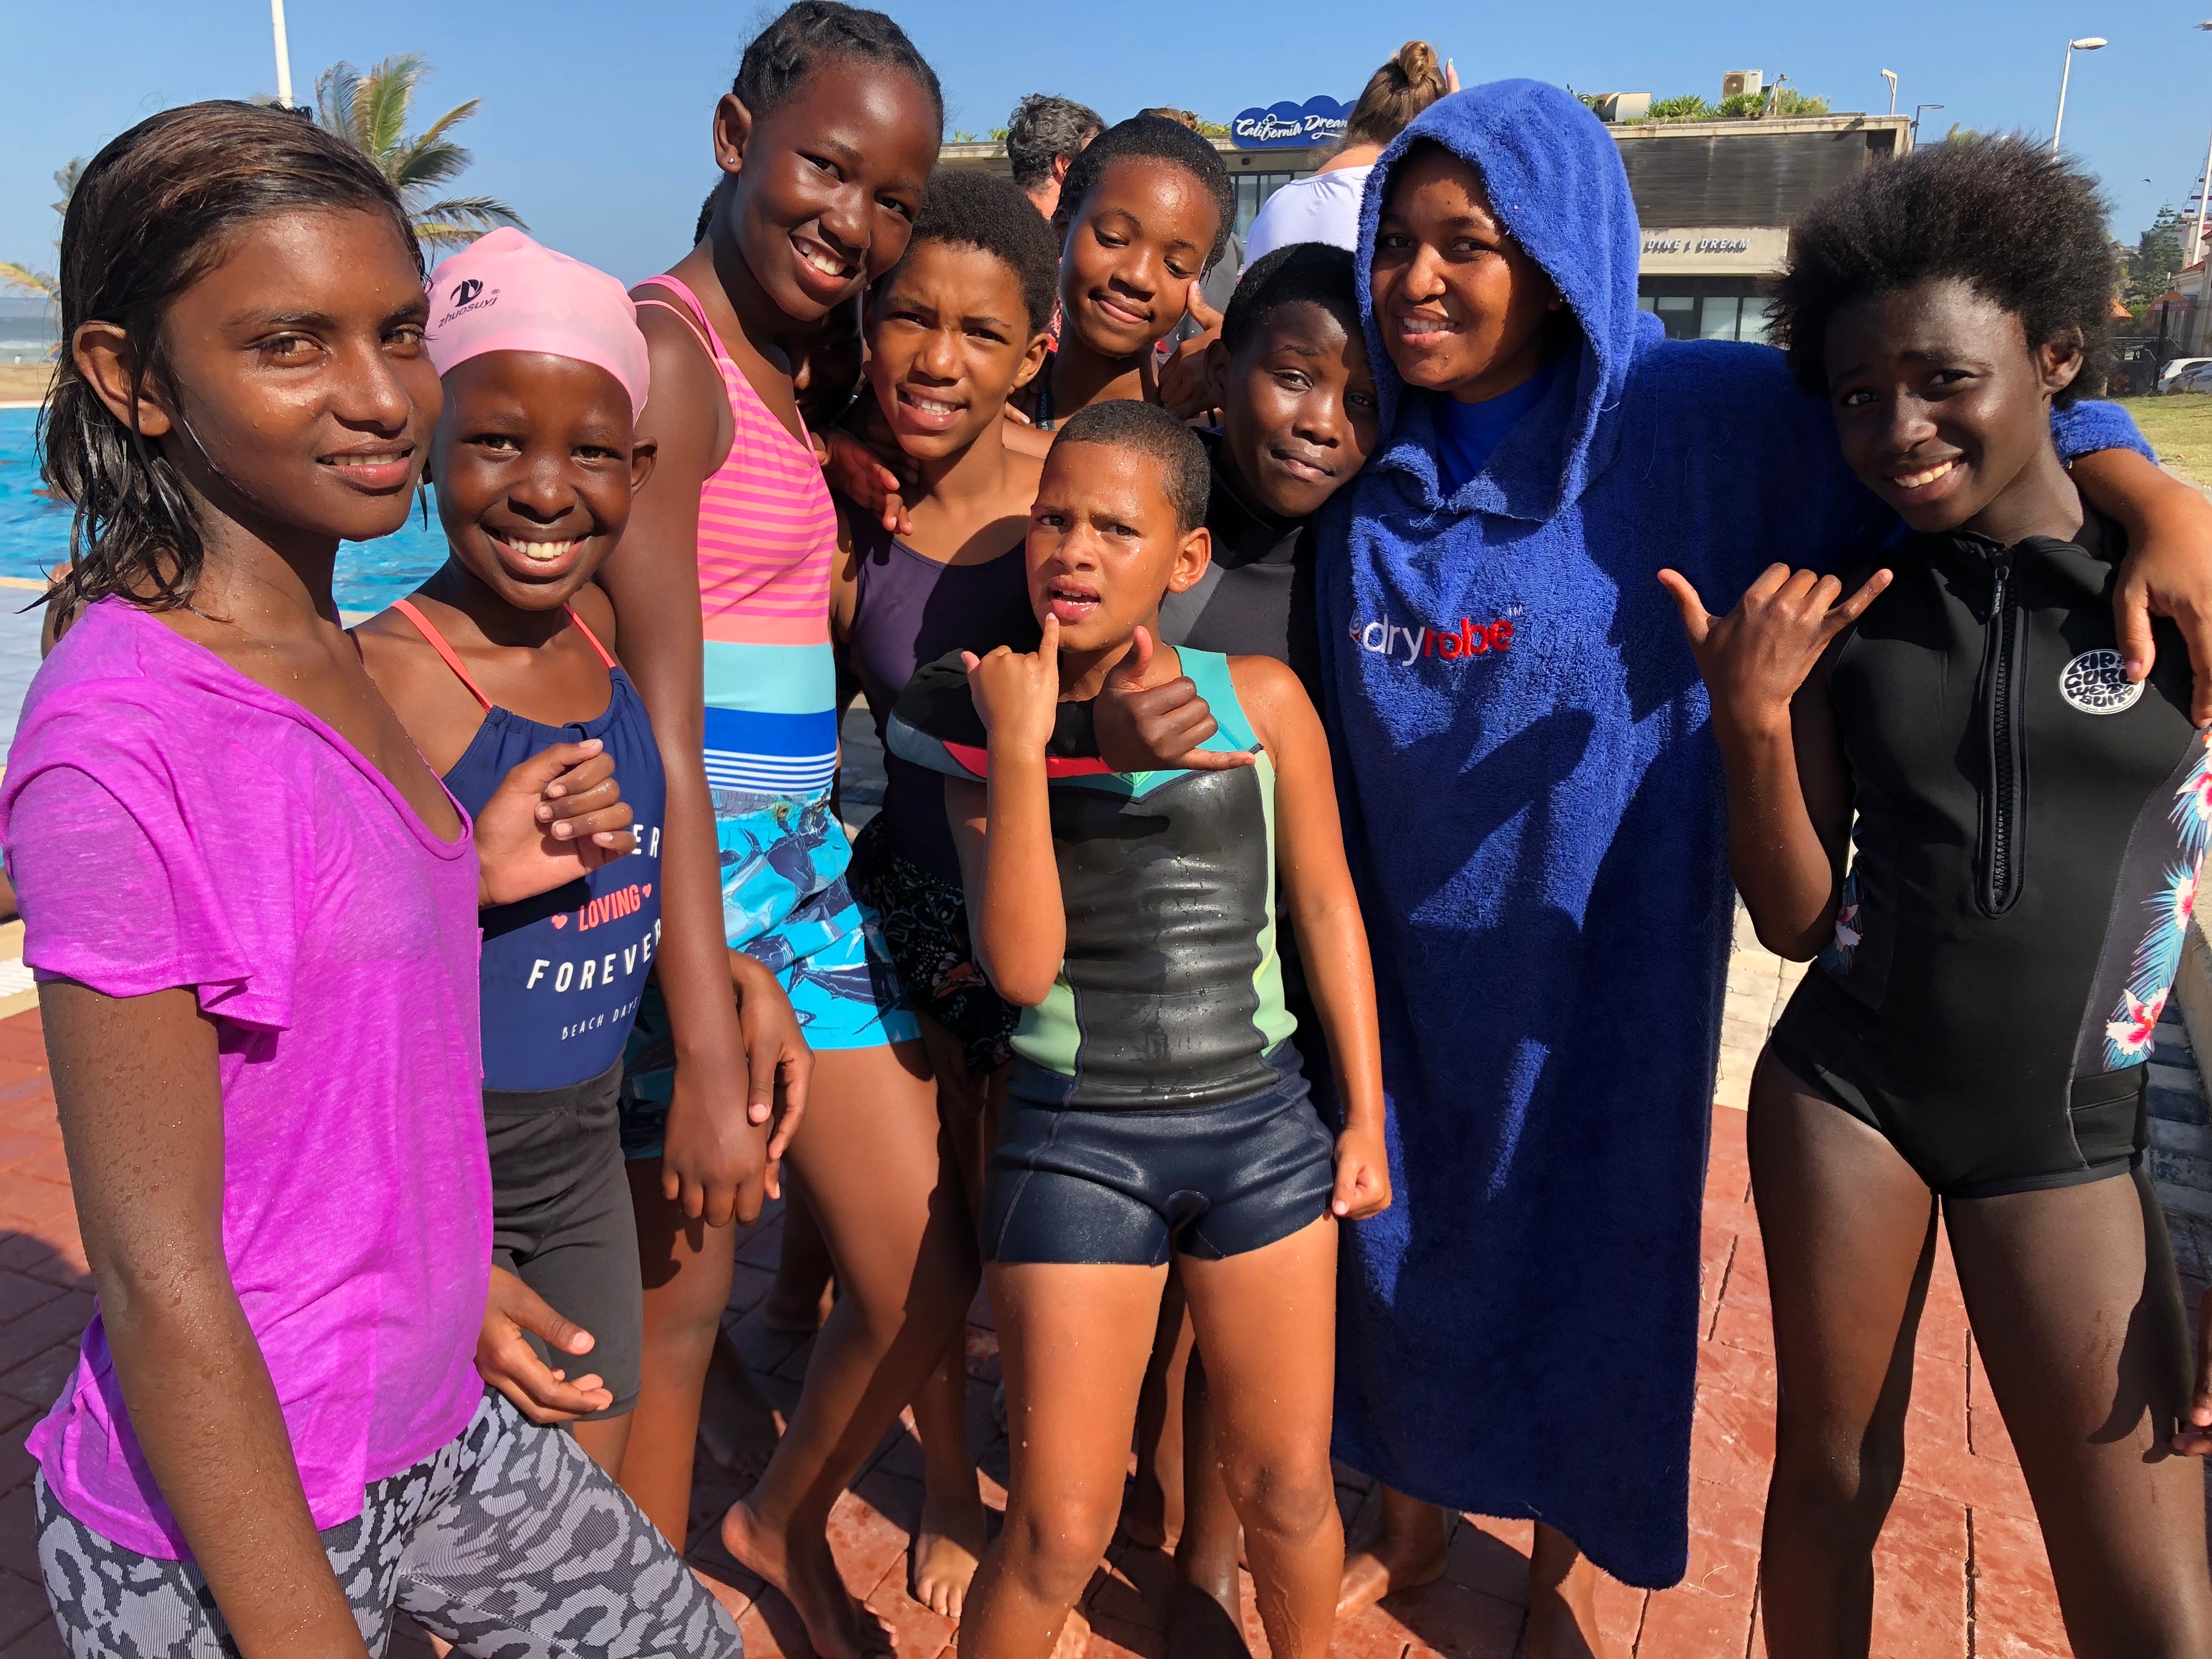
[[252, 910]]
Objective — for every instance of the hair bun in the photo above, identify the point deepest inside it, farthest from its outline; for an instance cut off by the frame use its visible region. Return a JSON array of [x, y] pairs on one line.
[[1417, 62]]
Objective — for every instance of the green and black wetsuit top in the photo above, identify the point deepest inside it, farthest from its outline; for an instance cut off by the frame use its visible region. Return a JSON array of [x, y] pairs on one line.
[[1170, 991]]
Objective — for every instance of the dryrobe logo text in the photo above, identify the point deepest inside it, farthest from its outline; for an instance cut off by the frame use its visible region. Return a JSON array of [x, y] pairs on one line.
[[1406, 645]]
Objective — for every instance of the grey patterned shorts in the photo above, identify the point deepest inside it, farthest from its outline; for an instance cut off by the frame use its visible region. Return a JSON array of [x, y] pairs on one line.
[[508, 1540]]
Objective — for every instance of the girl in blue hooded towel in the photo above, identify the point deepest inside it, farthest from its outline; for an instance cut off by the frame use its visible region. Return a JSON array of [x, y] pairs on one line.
[[1534, 813]]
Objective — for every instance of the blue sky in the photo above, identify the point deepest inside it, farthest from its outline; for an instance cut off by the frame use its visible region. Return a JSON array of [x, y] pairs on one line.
[[595, 117]]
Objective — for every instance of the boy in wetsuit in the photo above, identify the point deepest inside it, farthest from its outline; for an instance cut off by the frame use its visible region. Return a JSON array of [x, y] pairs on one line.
[[1156, 1106], [2029, 829]]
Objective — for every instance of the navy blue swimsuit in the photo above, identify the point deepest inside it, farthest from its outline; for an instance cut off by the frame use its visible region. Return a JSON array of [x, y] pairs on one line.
[[562, 973]]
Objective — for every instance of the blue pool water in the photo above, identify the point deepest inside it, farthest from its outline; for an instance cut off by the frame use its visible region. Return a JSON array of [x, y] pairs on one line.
[[35, 531]]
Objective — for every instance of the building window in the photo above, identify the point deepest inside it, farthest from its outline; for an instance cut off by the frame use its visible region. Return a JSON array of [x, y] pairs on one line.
[[1679, 312], [1706, 307], [1253, 189], [1716, 318]]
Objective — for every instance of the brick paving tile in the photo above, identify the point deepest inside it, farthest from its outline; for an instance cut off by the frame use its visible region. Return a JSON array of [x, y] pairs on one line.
[[1739, 1370], [1732, 1440], [2015, 1599], [1732, 1514], [1374, 1633], [1491, 1557], [1460, 1624], [1920, 1580], [866, 1542], [1939, 1399], [14, 1071], [1716, 1249], [51, 1164], [43, 1641], [39, 1379], [1708, 1614], [16, 1144], [1983, 1483], [19, 1295], [22, 1605], [19, 1531], [1620, 1610], [32, 1199], [1745, 1325]]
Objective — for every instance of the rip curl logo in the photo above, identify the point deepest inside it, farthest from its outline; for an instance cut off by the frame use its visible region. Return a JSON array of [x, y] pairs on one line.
[[464, 290], [1406, 645], [2097, 683]]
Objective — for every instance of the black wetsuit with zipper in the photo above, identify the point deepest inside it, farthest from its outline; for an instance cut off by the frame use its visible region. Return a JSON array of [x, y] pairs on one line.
[[2029, 829]]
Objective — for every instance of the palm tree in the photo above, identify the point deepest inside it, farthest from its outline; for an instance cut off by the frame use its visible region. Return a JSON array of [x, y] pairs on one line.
[[34, 282], [370, 113]]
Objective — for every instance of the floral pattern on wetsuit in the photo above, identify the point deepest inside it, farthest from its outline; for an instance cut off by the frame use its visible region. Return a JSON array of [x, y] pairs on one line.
[[1836, 958], [2131, 1031]]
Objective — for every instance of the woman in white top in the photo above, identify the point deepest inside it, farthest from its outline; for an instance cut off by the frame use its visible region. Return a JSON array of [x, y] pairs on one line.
[[1324, 206]]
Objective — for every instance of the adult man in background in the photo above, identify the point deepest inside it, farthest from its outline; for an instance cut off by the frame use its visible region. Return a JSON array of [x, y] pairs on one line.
[[1043, 135]]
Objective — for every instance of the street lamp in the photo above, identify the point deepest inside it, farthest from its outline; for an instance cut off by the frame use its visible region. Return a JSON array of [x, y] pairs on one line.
[[1890, 76], [2088, 43], [283, 54], [1917, 109]]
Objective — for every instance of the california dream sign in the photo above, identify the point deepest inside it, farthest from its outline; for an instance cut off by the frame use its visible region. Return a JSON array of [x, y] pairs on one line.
[[1289, 126]]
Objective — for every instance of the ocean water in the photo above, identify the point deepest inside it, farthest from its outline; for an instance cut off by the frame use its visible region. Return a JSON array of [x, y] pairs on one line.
[[34, 530]]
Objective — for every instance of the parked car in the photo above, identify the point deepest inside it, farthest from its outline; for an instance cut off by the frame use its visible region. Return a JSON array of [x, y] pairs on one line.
[[2171, 378]]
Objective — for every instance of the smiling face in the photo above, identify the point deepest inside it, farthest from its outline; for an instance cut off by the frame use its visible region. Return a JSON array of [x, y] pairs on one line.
[[949, 340], [298, 396], [1941, 405], [1135, 245], [1299, 415], [534, 468], [827, 183], [1462, 307], [1104, 544]]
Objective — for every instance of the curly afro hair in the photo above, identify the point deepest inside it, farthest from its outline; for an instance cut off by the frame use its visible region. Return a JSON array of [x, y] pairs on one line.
[[962, 207], [1151, 138], [2024, 227], [1313, 272]]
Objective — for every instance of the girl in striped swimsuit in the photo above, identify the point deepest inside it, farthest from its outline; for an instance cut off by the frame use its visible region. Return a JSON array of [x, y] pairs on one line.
[[825, 142]]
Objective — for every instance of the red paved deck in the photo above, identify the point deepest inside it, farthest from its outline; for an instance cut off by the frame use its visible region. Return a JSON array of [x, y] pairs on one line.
[[1961, 1568]]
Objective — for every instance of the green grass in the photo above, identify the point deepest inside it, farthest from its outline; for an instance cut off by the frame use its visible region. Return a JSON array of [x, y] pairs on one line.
[[2180, 427]]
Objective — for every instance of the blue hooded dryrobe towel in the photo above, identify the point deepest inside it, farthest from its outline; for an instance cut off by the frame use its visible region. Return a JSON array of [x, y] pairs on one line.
[[1534, 813]]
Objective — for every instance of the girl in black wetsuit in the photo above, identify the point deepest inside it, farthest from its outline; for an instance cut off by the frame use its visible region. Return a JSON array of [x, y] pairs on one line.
[[2029, 829]]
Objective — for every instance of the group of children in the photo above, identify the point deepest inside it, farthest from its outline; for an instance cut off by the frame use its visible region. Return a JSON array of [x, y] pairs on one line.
[[1178, 722]]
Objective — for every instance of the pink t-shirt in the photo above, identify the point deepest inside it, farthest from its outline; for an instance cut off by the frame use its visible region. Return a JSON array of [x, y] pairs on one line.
[[170, 823]]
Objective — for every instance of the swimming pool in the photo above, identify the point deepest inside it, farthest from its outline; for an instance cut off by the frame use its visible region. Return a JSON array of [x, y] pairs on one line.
[[34, 530]]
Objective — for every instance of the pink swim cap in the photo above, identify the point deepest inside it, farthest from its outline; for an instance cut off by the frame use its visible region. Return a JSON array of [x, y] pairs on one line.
[[504, 292]]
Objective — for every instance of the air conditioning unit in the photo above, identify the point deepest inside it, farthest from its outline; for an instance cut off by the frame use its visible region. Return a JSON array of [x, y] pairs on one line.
[[1739, 82], [1623, 106]]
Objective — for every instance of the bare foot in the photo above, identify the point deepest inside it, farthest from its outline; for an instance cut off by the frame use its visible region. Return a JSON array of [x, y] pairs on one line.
[[1406, 1552], [1199, 1627], [946, 1547], [1562, 1601], [839, 1624], [737, 1424]]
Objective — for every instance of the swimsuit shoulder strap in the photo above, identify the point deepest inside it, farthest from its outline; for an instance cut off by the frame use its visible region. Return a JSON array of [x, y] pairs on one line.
[[585, 628], [693, 313], [406, 608], [1209, 672]]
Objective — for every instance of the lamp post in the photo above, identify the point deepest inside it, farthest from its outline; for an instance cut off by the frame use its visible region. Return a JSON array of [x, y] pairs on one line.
[[1890, 76], [1917, 109], [283, 54], [2088, 43]]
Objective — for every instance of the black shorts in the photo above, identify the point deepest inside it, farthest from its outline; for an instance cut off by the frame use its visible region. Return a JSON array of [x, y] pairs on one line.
[[1076, 1185], [2088, 1130], [925, 923], [562, 1220]]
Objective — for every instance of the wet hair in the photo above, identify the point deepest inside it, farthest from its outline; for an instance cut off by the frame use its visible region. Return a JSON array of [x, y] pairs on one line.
[[965, 207], [2024, 228], [707, 213], [805, 36], [1298, 273], [157, 210], [1150, 138], [1394, 94], [1041, 129], [1126, 423]]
